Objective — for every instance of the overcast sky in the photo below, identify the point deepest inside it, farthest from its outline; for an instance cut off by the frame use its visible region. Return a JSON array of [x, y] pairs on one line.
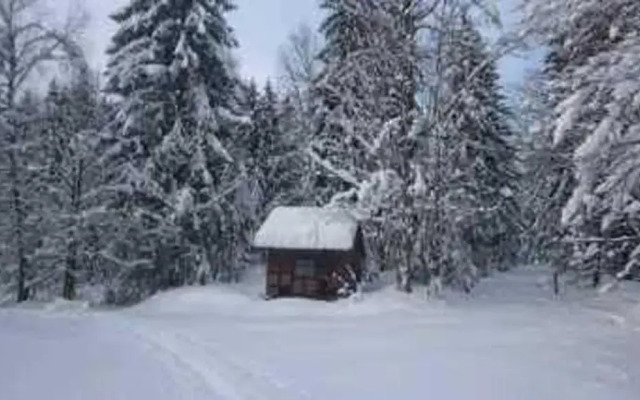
[[262, 26]]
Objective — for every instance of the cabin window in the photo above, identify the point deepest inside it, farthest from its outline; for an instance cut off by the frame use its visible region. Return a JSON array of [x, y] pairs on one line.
[[272, 279], [285, 280], [298, 287], [305, 268]]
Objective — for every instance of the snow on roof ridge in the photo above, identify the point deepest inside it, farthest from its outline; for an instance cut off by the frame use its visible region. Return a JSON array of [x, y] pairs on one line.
[[307, 228]]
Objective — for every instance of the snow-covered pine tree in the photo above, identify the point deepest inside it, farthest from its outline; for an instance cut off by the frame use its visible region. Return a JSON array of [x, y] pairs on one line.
[[267, 148], [340, 91], [273, 152], [592, 68], [260, 146], [170, 64], [537, 193], [483, 179]]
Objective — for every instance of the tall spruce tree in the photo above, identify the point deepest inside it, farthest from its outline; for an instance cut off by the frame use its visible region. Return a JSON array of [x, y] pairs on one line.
[[170, 64], [344, 99], [484, 175], [268, 147], [259, 144], [532, 110], [590, 68]]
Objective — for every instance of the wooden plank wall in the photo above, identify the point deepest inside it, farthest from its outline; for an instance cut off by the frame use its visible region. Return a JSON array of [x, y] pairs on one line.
[[283, 281]]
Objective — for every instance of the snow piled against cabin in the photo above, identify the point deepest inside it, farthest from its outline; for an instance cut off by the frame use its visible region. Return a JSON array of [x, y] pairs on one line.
[[513, 340]]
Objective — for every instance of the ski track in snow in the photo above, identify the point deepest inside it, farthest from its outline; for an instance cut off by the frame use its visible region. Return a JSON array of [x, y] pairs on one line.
[[225, 377], [510, 339]]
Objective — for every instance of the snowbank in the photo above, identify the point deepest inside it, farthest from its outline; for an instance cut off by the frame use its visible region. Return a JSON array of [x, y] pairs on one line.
[[247, 300], [525, 287], [220, 300], [62, 306], [510, 339]]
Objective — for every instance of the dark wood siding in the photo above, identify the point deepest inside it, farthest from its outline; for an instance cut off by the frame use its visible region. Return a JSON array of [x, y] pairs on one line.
[[283, 279]]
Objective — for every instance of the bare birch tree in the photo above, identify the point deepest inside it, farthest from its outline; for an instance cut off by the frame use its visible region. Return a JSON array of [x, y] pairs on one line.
[[26, 44]]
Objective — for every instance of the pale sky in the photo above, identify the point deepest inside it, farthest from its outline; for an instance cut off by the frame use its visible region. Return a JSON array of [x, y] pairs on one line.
[[261, 26]]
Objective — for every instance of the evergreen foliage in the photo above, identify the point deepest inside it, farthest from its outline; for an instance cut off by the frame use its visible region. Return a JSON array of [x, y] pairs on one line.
[[395, 112], [591, 71]]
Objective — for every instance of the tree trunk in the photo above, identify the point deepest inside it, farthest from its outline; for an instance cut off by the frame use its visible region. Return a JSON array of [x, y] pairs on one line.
[[213, 271], [69, 289], [70, 280], [18, 217], [23, 291], [14, 176], [18, 227]]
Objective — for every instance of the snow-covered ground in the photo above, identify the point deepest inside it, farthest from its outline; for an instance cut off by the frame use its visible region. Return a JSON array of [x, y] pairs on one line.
[[513, 340]]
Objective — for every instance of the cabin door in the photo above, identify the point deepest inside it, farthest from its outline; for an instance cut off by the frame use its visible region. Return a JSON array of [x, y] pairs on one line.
[[280, 276], [285, 279]]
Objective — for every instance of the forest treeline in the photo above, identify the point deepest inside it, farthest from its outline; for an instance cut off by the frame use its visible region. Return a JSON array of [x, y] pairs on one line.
[[157, 173]]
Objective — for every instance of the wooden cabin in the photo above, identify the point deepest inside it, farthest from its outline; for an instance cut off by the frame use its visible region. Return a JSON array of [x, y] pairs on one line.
[[311, 252]]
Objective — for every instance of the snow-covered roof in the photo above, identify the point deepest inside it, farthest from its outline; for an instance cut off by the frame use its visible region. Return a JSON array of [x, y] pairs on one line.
[[307, 228]]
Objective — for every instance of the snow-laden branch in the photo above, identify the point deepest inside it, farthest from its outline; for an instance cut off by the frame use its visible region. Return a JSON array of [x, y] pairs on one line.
[[338, 172]]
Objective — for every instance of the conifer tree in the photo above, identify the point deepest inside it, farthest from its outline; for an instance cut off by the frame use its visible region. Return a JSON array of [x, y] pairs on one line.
[[484, 175], [590, 67], [171, 66]]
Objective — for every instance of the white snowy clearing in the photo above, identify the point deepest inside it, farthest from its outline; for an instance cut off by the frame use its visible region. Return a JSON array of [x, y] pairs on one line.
[[511, 341]]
